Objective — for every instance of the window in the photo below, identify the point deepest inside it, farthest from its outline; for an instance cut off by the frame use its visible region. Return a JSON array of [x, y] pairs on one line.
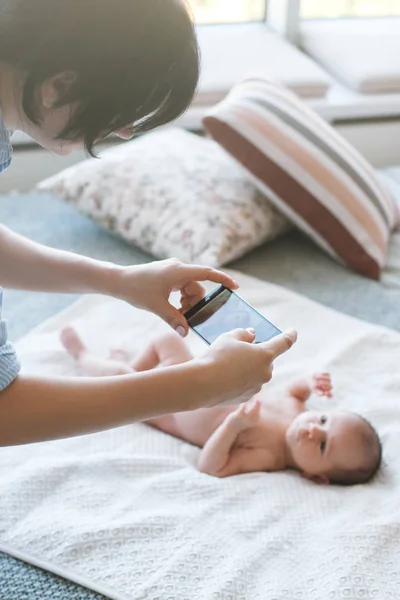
[[324, 9], [228, 11]]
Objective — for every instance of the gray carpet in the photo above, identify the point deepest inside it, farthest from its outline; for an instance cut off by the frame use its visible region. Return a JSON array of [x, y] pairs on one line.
[[293, 262]]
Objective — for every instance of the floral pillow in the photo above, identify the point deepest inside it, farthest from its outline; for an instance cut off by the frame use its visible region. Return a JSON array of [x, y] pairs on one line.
[[172, 193]]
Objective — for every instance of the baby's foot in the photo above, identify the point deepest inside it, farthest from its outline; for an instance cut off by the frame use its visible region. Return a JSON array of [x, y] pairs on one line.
[[322, 385], [72, 342], [120, 354]]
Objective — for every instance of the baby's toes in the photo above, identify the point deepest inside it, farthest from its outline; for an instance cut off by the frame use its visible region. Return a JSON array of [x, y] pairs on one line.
[[72, 342]]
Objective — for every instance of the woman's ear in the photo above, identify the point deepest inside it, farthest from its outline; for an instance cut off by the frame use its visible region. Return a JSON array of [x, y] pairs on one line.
[[321, 479], [54, 88]]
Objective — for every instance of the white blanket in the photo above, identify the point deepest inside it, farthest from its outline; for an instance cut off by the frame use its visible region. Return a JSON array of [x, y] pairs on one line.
[[127, 514]]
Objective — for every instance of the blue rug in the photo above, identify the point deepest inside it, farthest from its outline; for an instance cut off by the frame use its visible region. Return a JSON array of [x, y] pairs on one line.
[[19, 581]]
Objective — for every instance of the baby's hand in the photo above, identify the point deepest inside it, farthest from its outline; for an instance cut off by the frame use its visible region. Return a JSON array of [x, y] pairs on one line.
[[247, 415], [322, 385]]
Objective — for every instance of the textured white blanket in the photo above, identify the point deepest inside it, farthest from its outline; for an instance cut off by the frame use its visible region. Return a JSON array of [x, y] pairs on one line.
[[126, 513]]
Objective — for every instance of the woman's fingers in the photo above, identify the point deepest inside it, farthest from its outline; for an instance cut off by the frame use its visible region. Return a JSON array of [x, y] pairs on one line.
[[280, 344], [199, 273]]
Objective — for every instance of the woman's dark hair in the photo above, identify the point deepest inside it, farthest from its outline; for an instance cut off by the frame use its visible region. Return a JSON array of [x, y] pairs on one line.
[[136, 61]]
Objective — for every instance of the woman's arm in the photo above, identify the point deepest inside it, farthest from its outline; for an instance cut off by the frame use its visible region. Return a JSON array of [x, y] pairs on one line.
[[36, 409], [27, 265]]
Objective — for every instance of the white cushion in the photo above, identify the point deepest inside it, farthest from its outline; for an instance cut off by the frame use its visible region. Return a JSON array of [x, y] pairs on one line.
[[364, 54], [308, 171], [230, 54], [172, 193]]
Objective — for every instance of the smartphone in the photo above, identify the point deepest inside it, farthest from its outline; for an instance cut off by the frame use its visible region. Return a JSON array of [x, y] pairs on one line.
[[223, 310]]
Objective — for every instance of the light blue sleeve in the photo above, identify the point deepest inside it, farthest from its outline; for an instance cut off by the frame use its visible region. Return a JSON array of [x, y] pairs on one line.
[[9, 363], [5, 146]]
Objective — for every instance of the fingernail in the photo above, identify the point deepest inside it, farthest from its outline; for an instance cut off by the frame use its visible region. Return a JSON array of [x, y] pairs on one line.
[[292, 333], [181, 331], [251, 330]]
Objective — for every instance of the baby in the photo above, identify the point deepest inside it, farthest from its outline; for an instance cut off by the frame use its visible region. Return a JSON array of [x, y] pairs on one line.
[[264, 434]]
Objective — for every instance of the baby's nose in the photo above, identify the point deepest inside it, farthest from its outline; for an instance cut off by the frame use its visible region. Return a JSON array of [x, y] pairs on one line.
[[305, 432]]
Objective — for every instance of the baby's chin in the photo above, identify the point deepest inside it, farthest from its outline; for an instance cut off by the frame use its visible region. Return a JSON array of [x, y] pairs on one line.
[[294, 425]]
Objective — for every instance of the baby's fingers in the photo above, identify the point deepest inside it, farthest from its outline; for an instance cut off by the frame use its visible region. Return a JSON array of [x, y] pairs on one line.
[[323, 386], [324, 392]]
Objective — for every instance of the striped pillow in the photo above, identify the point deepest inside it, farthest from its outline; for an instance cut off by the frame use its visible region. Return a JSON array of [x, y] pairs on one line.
[[308, 171]]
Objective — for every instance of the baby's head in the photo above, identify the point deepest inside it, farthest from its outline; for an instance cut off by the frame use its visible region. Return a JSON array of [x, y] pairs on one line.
[[334, 447]]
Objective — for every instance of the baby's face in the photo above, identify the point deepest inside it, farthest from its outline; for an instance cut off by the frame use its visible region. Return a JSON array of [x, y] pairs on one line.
[[323, 441]]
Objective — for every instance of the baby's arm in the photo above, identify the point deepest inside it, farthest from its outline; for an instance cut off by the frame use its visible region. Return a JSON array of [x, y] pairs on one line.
[[216, 452], [220, 458], [319, 384], [243, 460]]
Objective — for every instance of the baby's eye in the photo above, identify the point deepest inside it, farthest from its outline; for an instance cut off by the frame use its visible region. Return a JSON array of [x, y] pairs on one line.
[[323, 446], [323, 420]]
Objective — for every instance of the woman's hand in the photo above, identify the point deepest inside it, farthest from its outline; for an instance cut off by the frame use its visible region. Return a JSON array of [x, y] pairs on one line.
[[237, 369], [149, 287]]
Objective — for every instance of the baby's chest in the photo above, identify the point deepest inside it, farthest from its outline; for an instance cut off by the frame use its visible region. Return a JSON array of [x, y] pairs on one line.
[[280, 410], [264, 436]]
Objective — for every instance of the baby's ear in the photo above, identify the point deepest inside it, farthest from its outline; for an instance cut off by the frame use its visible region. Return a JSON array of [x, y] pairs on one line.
[[321, 479]]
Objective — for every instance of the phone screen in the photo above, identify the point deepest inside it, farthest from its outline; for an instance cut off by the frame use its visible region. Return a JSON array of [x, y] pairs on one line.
[[223, 311]]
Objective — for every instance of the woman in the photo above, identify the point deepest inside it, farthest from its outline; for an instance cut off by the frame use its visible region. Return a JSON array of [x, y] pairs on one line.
[[71, 73]]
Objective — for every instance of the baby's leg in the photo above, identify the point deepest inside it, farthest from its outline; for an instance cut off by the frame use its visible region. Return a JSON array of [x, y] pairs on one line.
[[90, 365], [165, 351]]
